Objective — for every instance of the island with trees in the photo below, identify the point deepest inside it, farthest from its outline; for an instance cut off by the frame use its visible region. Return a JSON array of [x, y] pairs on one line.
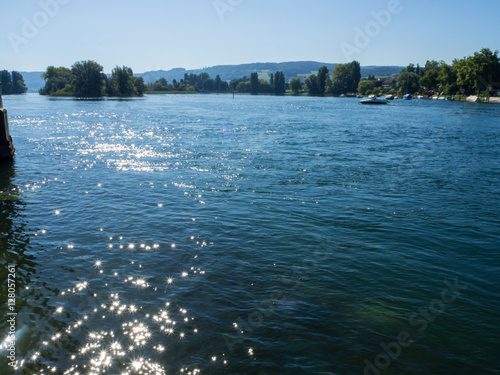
[[86, 79]]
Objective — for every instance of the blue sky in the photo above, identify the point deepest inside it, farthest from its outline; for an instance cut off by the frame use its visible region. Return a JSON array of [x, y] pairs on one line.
[[164, 34]]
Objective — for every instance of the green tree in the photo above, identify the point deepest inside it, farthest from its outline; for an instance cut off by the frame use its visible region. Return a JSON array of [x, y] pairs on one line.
[[366, 86], [224, 86], [345, 78], [203, 83], [163, 82], [430, 80], [265, 87], [355, 75], [88, 79], [66, 91], [407, 80], [235, 82], [208, 85], [204, 76], [295, 85], [410, 68], [140, 86], [322, 79], [18, 83], [432, 64], [160, 85], [243, 87], [478, 72], [312, 84], [254, 83], [279, 83], [448, 79], [218, 83], [55, 79], [121, 82], [7, 85]]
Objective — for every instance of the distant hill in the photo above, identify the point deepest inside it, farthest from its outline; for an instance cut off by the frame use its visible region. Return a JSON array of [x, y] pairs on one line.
[[291, 69], [34, 80], [381, 71]]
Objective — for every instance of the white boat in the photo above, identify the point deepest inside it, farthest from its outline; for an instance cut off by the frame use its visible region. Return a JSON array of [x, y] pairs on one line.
[[390, 97]]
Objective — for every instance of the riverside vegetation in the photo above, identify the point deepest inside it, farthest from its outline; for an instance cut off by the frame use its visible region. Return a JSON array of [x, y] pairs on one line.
[[12, 83], [479, 74], [476, 74]]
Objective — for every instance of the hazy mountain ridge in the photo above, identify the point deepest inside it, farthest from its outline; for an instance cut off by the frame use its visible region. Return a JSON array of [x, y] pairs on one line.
[[291, 69], [34, 80]]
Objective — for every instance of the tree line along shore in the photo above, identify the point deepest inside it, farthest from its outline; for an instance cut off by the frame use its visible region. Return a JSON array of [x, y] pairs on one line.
[[477, 74]]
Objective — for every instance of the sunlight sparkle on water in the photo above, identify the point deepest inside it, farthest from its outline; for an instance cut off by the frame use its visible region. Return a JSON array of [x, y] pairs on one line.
[[101, 349]]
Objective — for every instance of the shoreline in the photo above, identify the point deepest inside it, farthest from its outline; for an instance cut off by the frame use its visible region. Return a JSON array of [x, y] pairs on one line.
[[468, 99]]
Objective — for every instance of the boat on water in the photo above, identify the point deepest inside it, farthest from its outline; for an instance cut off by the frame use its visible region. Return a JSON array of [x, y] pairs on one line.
[[407, 96], [390, 97], [374, 100]]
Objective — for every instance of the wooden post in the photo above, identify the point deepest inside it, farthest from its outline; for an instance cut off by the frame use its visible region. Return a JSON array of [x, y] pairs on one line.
[[7, 150]]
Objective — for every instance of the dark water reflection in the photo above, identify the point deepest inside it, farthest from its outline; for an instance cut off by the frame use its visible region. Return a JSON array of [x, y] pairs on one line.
[[31, 296]]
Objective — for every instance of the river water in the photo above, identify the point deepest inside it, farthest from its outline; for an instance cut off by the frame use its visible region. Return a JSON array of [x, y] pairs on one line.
[[255, 235]]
